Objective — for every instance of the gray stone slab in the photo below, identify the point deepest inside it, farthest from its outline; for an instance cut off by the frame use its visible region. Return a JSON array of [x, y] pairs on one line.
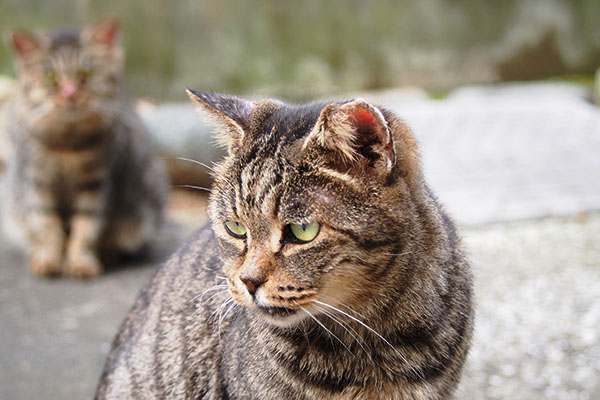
[[509, 152]]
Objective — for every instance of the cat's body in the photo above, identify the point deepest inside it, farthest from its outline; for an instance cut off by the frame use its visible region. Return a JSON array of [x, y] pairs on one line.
[[81, 180], [331, 273]]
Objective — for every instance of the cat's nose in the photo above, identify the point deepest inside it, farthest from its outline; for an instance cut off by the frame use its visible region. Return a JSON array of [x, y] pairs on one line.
[[252, 282], [68, 89]]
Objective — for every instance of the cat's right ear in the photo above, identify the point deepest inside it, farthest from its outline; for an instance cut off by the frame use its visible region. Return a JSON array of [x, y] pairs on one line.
[[104, 33], [23, 43], [228, 112]]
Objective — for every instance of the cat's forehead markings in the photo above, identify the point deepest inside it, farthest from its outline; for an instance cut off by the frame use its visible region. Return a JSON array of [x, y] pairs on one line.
[[275, 241], [267, 207], [246, 178], [339, 175], [65, 57]]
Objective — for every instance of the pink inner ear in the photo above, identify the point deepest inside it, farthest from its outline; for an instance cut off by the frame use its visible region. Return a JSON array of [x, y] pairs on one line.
[[364, 117], [24, 43], [364, 120], [106, 33]]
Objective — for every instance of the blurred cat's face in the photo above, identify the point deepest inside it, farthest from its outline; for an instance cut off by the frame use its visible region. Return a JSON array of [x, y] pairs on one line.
[[69, 80]]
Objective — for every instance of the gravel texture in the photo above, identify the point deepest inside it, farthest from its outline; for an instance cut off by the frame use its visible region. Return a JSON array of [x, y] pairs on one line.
[[538, 313]]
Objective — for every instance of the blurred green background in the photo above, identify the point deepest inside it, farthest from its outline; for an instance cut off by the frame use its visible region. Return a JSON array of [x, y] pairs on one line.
[[303, 49]]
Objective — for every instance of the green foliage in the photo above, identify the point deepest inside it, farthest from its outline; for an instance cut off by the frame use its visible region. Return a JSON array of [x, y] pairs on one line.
[[299, 49]]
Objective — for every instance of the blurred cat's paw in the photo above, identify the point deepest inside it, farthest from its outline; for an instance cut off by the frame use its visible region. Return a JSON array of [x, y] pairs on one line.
[[83, 267], [44, 265]]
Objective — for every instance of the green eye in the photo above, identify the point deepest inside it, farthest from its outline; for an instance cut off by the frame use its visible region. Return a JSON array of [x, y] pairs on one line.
[[305, 232], [50, 75], [235, 229], [85, 73]]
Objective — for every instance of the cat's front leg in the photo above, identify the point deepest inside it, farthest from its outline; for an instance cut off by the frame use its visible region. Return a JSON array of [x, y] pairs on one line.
[[47, 240], [44, 227], [87, 224]]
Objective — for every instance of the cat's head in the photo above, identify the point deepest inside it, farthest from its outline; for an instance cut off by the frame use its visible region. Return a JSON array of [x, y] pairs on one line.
[[311, 205], [68, 79]]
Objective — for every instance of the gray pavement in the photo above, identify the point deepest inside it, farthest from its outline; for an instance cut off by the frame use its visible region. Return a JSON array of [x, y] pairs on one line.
[[493, 155], [537, 285], [55, 333]]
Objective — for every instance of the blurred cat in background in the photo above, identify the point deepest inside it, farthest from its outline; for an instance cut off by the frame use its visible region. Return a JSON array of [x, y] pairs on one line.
[[82, 180]]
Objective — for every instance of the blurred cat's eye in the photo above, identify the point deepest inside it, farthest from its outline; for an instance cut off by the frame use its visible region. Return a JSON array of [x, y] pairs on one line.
[[235, 229], [50, 76], [305, 232], [84, 74]]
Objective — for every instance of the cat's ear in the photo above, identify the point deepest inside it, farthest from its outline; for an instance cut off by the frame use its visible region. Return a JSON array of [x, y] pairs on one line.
[[356, 133], [104, 33], [24, 43], [229, 112]]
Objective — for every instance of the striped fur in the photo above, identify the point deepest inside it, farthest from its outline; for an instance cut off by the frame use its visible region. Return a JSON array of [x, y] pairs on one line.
[[82, 181], [377, 306]]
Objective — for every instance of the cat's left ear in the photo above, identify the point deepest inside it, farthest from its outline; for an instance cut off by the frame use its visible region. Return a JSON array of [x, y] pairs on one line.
[[230, 112], [24, 43], [105, 32], [357, 133]]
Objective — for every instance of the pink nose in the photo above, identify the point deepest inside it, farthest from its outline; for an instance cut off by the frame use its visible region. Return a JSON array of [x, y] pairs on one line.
[[252, 283], [68, 89]]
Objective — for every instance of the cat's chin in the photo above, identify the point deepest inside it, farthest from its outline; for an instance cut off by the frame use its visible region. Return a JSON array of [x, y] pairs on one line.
[[280, 316]]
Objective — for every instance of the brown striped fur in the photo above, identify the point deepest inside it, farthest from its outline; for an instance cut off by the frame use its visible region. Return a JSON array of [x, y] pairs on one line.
[[81, 180], [377, 306]]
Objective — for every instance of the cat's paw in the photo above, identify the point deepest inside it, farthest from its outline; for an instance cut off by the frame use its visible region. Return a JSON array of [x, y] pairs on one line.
[[83, 267], [45, 265]]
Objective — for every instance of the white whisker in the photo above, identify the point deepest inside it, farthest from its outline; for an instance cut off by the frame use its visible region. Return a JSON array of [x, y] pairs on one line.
[[324, 327], [210, 289], [199, 309], [351, 331], [213, 171], [214, 295], [222, 318], [221, 307], [375, 333], [192, 187]]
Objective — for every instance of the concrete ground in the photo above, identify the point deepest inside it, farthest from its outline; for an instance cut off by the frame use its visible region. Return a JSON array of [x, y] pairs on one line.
[[537, 285], [517, 166]]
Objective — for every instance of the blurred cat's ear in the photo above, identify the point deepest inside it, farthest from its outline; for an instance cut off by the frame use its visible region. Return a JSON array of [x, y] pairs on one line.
[[24, 43], [105, 32], [357, 133], [230, 112]]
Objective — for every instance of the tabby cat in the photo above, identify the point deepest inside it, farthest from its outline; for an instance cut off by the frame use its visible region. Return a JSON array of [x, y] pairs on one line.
[[330, 271], [82, 180]]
